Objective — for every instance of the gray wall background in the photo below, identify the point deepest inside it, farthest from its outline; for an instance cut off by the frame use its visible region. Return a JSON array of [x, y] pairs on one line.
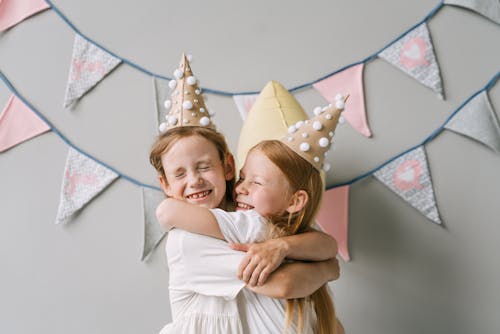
[[407, 275]]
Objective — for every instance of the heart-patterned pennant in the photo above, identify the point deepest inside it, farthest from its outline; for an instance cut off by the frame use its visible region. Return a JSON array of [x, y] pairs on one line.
[[414, 54], [409, 177]]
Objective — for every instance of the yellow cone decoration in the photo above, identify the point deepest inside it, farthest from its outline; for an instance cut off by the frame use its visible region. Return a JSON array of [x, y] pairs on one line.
[[274, 111], [186, 107], [312, 138]]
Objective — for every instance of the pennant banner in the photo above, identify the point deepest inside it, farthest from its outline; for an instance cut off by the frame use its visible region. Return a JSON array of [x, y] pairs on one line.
[[89, 65], [478, 120], [349, 81], [333, 217], [153, 233], [83, 179], [413, 54], [19, 123], [409, 177], [14, 11], [487, 8], [161, 89], [244, 103]]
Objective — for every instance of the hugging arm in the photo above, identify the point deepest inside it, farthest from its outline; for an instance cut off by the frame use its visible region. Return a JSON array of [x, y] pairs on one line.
[[298, 279], [192, 218], [263, 258]]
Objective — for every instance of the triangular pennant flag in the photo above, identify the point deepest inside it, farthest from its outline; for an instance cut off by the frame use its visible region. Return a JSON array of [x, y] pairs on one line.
[[14, 11], [83, 179], [153, 233], [478, 121], [161, 95], [414, 54], [349, 81], [487, 8], [333, 217], [244, 103], [89, 65], [409, 177], [19, 123]]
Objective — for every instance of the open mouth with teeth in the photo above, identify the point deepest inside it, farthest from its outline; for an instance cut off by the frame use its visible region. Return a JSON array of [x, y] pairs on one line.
[[199, 195], [243, 206]]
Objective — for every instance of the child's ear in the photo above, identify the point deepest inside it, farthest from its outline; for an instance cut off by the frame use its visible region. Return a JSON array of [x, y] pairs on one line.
[[164, 185], [229, 168], [298, 201]]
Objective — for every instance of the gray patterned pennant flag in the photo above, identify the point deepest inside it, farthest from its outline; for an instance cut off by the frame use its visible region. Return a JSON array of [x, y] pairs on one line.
[[244, 103], [478, 121], [487, 8], [162, 95], [409, 177], [153, 233], [413, 54], [89, 65], [83, 179]]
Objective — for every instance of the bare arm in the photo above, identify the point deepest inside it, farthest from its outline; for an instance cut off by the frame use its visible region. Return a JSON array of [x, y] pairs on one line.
[[263, 258], [189, 217], [298, 279]]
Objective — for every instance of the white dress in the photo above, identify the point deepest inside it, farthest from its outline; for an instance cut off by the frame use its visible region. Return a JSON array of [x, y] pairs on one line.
[[204, 291]]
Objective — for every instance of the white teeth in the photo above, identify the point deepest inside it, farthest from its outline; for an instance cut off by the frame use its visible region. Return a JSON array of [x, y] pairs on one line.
[[244, 206], [199, 195]]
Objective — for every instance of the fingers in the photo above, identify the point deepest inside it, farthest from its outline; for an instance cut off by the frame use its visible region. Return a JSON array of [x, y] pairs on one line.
[[244, 263], [249, 269], [254, 279], [264, 275]]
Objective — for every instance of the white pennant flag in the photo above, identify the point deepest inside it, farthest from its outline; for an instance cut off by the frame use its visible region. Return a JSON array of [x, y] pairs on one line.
[[487, 8], [413, 54], [162, 94], [408, 176], [89, 65], [83, 180], [153, 233], [478, 121], [244, 103]]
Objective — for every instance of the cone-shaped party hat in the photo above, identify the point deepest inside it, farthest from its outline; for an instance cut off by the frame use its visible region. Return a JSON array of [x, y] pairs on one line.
[[186, 107], [273, 112]]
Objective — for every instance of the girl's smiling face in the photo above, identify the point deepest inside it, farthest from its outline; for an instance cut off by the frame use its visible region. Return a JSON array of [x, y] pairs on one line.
[[262, 186], [195, 172]]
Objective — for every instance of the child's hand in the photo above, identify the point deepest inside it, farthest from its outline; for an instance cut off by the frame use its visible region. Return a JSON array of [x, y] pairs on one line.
[[261, 260]]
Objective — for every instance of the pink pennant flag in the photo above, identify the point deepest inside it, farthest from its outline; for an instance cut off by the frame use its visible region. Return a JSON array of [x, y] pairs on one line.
[[349, 81], [14, 11], [244, 103], [333, 217], [18, 123]]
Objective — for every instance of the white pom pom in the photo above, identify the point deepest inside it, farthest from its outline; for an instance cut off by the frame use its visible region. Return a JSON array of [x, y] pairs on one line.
[[178, 73], [289, 138], [340, 105], [304, 147], [211, 113], [197, 91], [187, 105], [317, 111], [172, 84], [323, 142], [328, 116], [326, 166], [202, 110], [163, 127], [305, 135], [341, 120], [193, 114], [317, 126], [185, 121], [292, 129], [339, 97], [189, 57], [299, 124], [204, 121], [172, 120], [191, 80], [331, 133], [316, 159], [167, 104]]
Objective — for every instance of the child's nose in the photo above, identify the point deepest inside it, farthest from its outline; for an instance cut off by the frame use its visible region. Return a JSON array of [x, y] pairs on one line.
[[241, 188], [195, 178]]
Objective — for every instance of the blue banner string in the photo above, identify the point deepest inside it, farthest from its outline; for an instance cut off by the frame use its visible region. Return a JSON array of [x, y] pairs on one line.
[[65, 139], [228, 93], [490, 84]]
